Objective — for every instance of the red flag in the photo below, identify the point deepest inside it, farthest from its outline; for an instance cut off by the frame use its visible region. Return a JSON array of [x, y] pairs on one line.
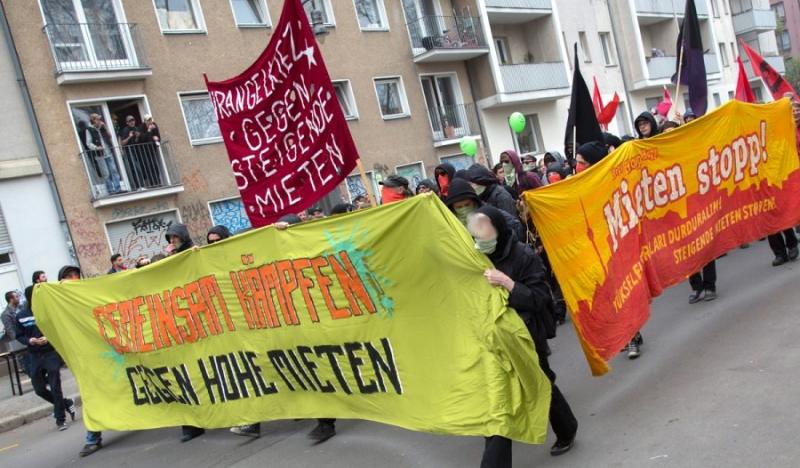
[[665, 105], [609, 112], [743, 90], [597, 101], [285, 132], [776, 84]]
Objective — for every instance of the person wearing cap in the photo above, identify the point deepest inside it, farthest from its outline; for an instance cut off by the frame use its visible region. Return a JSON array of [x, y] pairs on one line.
[[45, 363], [489, 191], [589, 154], [393, 189], [646, 125], [128, 139], [427, 186]]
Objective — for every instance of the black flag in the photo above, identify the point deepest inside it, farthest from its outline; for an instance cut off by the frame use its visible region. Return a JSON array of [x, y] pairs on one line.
[[581, 112], [693, 70]]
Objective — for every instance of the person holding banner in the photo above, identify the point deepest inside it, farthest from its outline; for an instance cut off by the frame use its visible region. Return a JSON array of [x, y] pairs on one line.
[[462, 200], [646, 125], [520, 272], [394, 188]]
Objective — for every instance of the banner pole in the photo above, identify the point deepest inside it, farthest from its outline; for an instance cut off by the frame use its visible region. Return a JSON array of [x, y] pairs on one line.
[[574, 141], [678, 82], [367, 185]]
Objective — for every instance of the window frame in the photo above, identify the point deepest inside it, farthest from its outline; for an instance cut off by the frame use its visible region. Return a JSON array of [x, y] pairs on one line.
[[403, 97], [209, 204], [205, 141], [350, 96], [267, 18], [723, 53], [199, 18], [503, 41], [531, 121], [607, 43], [584, 43], [413, 163], [381, 4], [326, 5]]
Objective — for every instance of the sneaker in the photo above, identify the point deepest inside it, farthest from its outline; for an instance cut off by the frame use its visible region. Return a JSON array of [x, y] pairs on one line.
[[89, 449], [250, 430], [633, 350], [562, 446], [710, 295], [744, 246], [70, 405], [190, 433], [322, 432], [638, 339], [62, 426], [695, 297], [793, 253], [780, 260]]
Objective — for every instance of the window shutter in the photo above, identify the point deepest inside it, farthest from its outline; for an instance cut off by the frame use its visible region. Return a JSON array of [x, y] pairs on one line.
[[5, 239]]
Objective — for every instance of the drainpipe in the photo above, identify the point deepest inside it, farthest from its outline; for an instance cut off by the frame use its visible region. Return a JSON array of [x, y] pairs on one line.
[[621, 64], [37, 134]]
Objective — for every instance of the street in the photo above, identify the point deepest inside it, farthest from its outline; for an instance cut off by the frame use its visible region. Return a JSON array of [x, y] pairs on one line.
[[715, 387]]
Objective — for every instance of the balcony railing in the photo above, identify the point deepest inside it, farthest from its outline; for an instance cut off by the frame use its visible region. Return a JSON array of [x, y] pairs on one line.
[[668, 8], [446, 33], [664, 67], [521, 4], [453, 121], [527, 77], [754, 20], [121, 170], [95, 47]]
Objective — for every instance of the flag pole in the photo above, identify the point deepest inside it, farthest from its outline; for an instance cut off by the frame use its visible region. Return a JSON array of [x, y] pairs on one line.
[[365, 182], [574, 141], [678, 82]]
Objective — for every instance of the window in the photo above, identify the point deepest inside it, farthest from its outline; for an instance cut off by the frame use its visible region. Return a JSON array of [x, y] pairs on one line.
[[319, 11], [344, 93], [179, 16], [651, 103], [391, 97], [503, 50], [371, 15], [733, 52], [730, 95], [200, 118], [717, 100], [759, 95], [449, 117], [459, 161], [780, 13], [143, 236], [530, 140], [229, 213], [723, 54], [566, 48], [413, 172], [608, 48], [715, 8], [587, 56], [784, 44], [5, 241], [621, 118], [250, 13], [355, 187]]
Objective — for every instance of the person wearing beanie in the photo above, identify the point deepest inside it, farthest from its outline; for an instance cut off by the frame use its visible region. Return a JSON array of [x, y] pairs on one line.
[[612, 141], [462, 200], [426, 186], [488, 190], [646, 125], [217, 233], [589, 154]]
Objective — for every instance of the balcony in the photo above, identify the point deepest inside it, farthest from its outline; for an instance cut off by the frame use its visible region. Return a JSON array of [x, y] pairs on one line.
[[517, 11], [754, 21], [133, 172], [86, 52], [446, 38], [775, 61], [528, 77], [662, 68], [655, 11], [451, 122]]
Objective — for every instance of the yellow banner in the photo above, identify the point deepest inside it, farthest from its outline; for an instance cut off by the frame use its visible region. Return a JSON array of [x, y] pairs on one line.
[[381, 314], [657, 210]]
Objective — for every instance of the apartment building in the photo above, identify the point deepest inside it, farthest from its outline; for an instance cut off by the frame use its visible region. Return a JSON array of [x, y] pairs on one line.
[[32, 236]]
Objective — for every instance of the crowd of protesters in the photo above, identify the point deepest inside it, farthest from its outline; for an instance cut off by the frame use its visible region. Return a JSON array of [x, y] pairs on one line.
[[487, 202]]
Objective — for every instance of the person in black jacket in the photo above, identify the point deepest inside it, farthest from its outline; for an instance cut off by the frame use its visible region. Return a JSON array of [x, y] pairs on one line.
[[462, 200], [444, 175], [520, 272], [178, 239], [489, 190], [45, 363], [217, 233], [646, 125]]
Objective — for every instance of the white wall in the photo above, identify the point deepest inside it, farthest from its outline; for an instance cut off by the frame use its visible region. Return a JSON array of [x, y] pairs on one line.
[[33, 225]]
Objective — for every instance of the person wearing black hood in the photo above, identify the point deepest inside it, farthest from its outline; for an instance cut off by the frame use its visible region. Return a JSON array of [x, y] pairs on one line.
[[217, 233], [462, 200], [646, 125], [45, 363], [444, 174], [489, 191], [178, 239], [612, 141], [520, 272], [426, 186]]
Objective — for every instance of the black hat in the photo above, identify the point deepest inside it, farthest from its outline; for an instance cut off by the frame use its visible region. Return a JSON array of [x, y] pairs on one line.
[[395, 181], [611, 140], [460, 190], [64, 271], [593, 151]]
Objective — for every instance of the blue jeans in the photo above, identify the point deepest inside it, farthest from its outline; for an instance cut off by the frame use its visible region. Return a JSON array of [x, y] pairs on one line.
[[109, 172], [93, 437]]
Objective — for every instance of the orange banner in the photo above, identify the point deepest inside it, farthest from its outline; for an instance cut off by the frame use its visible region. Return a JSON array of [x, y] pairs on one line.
[[655, 211]]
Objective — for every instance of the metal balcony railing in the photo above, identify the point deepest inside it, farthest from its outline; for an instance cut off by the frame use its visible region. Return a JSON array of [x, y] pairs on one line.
[[521, 4], [754, 20], [446, 32], [526, 77], [669, 8], [120, 170], [453, 121], [95, 47], [664, 67]]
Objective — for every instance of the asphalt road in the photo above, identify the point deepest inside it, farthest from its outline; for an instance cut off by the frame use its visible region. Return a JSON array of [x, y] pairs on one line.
[[716, 386]]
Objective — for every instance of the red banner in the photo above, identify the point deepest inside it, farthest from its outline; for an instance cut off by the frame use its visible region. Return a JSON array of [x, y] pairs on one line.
[[285, 132]]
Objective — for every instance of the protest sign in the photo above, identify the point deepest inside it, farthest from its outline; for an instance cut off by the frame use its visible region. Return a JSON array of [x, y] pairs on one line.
[[657, 210], [381, 314], [285, 132]]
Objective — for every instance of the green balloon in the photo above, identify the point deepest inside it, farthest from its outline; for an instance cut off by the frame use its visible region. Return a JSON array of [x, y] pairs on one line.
[[517, 122], [468, 146]]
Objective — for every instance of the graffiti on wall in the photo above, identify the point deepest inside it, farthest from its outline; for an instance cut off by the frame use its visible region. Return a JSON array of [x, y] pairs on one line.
[[143, 236], [231, 214]]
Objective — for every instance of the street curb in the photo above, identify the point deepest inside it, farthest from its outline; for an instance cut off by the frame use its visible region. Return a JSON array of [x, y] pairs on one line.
[[9, 423]]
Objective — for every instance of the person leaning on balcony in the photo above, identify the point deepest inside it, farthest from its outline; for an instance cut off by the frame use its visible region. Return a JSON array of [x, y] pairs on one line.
[[129, 139], [150, 140], [101, 149]]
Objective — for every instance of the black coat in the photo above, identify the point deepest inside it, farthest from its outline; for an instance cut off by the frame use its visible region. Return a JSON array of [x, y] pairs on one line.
[[494, 195]]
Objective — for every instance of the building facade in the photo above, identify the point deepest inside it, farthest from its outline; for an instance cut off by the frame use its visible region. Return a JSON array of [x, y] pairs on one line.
[[33, 234], [787, 13], [412, 76]]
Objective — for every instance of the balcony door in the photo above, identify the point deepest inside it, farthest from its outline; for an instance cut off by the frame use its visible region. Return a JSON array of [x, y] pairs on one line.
[[445, 108], [88, 34], [424, 18]]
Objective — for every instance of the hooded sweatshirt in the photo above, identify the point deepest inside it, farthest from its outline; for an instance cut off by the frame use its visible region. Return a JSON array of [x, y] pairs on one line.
[[433, 186], [220, 230], [653, 124], [523, 180], [182, 232], [493, 194], [449, 171], [462, 190]]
